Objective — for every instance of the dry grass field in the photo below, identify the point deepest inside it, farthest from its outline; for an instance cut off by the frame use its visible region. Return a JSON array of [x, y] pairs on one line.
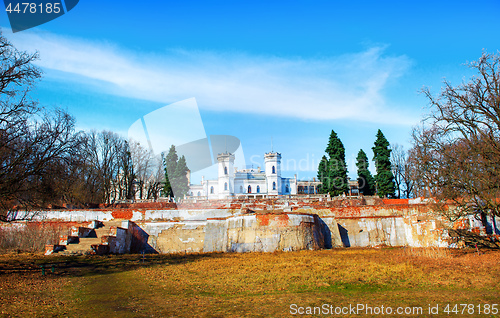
[[251, 284]]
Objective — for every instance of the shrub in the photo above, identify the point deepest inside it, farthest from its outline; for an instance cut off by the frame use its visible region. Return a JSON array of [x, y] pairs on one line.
[[30, 236]]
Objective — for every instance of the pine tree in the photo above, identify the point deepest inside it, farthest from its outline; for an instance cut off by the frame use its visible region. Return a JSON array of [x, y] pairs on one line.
[[335, 175], [366, 182], [384, 178], [169, 164], [323, 175], [180, 185]]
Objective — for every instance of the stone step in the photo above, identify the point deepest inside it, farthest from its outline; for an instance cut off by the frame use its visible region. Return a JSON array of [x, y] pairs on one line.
[[96, 243], [93, 249], [81, 231], [68, 239]]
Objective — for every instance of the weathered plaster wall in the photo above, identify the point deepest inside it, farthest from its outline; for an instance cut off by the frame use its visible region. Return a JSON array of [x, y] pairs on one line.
[[181, 237], [229, 226], [121, 245], [131, 214], [269, 232], [330, 231], [390, 231], [266, 232]]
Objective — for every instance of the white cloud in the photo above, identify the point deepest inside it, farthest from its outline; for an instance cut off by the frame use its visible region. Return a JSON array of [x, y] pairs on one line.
[[350, 86]]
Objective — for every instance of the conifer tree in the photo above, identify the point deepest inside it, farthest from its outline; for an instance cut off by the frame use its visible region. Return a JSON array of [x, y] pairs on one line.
[[366, 182], [335, 176], [170, 164], [180, 184], [384, 178], [176, 182], [323, 175]]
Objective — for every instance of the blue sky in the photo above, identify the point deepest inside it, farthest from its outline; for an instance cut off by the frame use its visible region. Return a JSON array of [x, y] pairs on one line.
[[290, 71]]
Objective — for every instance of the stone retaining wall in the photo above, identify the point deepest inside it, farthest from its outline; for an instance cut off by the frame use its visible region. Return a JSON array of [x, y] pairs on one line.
[[292, 225]]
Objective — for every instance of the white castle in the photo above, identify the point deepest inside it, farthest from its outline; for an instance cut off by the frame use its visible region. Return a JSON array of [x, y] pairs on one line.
[[247, 182]]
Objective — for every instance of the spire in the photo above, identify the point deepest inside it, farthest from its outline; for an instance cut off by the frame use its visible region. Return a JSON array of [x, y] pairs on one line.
[[272, 147]]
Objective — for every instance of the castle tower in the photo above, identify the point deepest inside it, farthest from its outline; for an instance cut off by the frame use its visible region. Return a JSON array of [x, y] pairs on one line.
[[273, 172], [226, 174]]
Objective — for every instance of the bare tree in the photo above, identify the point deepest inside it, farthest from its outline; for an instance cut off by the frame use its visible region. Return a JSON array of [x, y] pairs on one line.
[[34, 142], [109, 157], [43, 161], [126, 175], [407, 184], [457, 150], [141, 158], [402, 171], [149, 172], [156, 180], [398, 159]]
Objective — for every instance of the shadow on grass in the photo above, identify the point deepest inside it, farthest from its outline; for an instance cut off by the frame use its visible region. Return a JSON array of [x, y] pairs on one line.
[[88, 265]]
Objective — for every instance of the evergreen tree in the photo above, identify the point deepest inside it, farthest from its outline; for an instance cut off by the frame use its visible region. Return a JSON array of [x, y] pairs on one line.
[[335, 147], [323, 175], [335, 176], [169, 164], [176, 182], [181, 184], [384, 178], [366, 181]]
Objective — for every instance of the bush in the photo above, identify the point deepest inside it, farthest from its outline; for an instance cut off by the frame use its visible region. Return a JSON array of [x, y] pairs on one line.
[[30, 236]]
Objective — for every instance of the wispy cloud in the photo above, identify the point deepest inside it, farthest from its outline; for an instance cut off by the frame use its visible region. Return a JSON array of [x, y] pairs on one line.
[[350, 86]]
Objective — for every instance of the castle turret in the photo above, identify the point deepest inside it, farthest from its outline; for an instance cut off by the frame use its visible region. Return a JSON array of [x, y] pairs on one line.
[[226, 174], [273, 172]]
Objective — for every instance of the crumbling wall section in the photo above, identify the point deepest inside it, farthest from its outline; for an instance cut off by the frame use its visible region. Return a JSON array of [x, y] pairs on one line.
[[392, 231], [181, 238], [252, 232], [136, 215], [216, 235], [375, 231], [122, 245], [330, 231], [281, 224], [269, 232]]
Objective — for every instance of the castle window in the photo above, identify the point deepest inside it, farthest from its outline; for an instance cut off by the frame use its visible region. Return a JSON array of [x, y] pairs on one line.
[[274, 170], [249, 189], [258, 189], [287, 189], [212, 190], [225, 170], [225, 186], [241, 189], [199, 194], [274, 185]]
